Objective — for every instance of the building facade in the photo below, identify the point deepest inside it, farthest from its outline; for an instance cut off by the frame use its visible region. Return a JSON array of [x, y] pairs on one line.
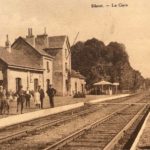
[[22, 64], [59, 48], [77, 83], [40, 60]]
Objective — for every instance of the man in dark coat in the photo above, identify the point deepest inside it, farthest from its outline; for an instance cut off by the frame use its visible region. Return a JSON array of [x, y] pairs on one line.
[[51, 93], [42, 95], [20, 98]]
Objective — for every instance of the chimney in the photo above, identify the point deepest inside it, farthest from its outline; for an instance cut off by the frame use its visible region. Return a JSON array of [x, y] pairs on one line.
[[41, 41], [30, 37], [8, 44]]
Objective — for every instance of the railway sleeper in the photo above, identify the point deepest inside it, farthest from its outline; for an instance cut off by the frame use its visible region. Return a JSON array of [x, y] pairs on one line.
[[79, 148], [86, 144], [95, 140]]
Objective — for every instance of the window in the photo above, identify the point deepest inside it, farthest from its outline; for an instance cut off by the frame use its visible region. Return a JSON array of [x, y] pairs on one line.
[[82, 87], [66, 67], [48, 68], [67, 85], [66, 52]]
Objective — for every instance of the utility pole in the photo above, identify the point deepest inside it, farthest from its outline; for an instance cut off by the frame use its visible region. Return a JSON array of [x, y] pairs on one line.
[[73, 43]]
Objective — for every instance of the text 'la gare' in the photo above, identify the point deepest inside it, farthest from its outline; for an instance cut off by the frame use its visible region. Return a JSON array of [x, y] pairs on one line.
[[119, 5]]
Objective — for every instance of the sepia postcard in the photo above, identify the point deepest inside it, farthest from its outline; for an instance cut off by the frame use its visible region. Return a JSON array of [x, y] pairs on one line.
[[74, 75]]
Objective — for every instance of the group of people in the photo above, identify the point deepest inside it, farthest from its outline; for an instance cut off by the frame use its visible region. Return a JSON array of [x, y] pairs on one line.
[[25, 97]]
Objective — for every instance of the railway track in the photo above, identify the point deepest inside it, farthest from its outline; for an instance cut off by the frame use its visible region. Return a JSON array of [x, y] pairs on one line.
[[26, 128], [31, 126], [70, 112], [104, 133]]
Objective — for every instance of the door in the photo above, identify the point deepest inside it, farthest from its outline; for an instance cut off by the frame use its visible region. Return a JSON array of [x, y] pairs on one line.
[[47, 83], [82, 87], [36, 83], [18, 83], [76, 87]]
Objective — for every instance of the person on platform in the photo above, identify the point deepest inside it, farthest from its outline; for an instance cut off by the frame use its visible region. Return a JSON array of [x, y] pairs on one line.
[[51, 93], [37, 99], [20, 98], [28, 97], [42, 95]]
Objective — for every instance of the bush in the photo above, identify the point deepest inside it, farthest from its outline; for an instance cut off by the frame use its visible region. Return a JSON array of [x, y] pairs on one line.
[[79, 95]]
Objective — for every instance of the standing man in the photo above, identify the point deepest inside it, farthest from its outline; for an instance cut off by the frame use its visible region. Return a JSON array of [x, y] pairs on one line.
[[42, 95], [20, 98], [51, 93]]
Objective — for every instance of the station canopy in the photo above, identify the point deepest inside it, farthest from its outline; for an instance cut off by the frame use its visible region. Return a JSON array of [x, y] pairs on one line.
[[115, 83]]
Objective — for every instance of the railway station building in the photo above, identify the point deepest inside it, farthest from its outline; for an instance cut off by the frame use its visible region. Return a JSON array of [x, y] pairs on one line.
[[40, 60], [77, 82], [22, 64]]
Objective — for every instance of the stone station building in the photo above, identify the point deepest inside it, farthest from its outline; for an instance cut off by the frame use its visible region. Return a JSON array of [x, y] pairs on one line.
[[40, 60]]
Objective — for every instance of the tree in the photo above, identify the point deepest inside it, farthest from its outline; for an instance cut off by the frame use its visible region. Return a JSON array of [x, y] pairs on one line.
[[96, 62]]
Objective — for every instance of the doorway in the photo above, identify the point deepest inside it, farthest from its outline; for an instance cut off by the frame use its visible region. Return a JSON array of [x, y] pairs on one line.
[[36, 83], [76, 87], [18, 83], [47, 83]]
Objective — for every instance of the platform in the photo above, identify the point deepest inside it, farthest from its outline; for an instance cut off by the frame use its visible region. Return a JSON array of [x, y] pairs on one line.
[[108, 98], [18, 118], [142, 141], [58, 101]]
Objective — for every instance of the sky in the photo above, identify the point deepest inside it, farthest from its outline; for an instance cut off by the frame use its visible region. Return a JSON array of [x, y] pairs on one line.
[[128, 25]]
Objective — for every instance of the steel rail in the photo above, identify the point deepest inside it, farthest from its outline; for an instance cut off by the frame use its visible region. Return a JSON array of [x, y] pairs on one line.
[[77, 134], [80, 132], [115, 140], [48, 124]]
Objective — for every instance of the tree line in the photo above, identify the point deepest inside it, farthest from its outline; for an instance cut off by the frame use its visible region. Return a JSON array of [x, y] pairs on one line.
[[97, 61]]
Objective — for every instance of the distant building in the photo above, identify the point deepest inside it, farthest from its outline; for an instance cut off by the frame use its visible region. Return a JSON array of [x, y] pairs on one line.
[[77, 82]]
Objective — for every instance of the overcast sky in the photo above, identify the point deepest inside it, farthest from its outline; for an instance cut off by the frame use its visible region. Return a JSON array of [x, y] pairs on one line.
[[129, 25]]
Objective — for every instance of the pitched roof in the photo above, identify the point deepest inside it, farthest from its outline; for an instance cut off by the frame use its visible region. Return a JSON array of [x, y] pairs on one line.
[[19, 58], [76, 74], [40, 51], [52, 51], [56, 41]]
